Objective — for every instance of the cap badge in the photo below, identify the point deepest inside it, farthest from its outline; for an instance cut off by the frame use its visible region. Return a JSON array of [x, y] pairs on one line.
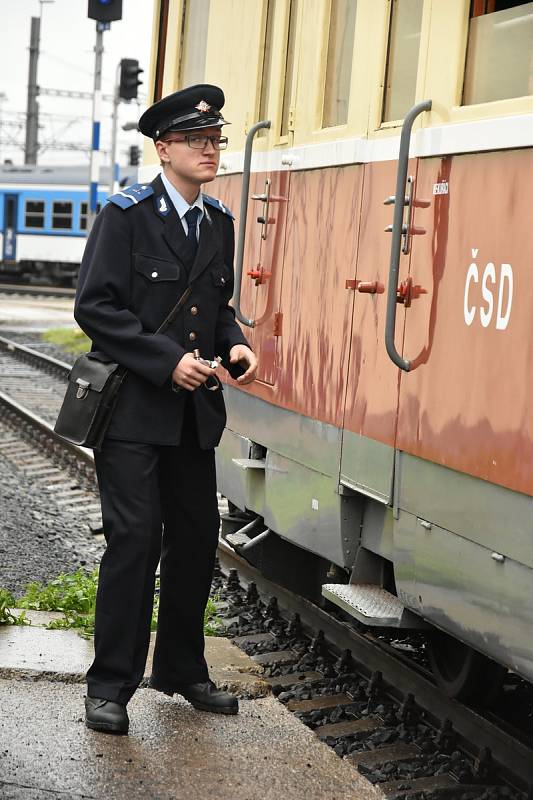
[[203, 106]]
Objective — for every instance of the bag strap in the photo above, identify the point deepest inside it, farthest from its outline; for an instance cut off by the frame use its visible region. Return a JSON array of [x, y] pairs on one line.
[[174, 313], [120, 373]]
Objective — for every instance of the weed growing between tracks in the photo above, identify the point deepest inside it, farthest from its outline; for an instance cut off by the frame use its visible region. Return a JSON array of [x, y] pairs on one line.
[[74, 595], [73, 340]]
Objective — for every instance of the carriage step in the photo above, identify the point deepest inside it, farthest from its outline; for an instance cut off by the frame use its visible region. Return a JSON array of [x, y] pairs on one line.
[[237, 539], [371, 605], [250, 463]]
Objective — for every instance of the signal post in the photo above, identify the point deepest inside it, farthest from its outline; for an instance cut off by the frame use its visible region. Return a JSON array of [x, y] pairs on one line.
[[126, 88], [104, 12]]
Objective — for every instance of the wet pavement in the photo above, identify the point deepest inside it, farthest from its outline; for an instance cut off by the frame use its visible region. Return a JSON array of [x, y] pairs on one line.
[[172, 751], [35, 653]]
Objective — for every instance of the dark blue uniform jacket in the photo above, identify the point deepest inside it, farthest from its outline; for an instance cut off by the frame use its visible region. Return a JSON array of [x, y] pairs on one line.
[[131, 276]]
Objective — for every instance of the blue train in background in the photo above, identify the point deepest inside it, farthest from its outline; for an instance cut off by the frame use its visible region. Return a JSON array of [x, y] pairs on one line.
[[43, 214]]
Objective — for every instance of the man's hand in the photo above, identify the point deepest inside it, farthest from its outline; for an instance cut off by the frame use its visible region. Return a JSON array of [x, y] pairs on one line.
[[239, 352], [190, 373]]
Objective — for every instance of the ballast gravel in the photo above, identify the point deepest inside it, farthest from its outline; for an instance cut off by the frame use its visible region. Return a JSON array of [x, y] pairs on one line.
[[38, 542]]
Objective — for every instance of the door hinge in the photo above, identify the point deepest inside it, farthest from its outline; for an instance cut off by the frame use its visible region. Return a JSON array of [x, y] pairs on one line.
[[291, 120], [278, 323]]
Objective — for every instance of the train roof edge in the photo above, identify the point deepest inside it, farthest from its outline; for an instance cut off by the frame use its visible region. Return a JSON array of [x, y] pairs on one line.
[[60, 174]]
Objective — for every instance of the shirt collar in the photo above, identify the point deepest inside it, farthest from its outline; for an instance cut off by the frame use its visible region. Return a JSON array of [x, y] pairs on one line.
[[179, 203]]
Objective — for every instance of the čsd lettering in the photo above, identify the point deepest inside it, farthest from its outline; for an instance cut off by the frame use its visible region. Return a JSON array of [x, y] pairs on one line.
[[490, 284]]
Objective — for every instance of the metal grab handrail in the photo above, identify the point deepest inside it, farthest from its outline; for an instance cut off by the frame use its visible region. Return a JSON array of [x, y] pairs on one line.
[[239, 258], [397, 225]]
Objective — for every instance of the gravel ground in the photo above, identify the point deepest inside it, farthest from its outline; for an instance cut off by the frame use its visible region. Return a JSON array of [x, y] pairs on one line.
[[38, 543]]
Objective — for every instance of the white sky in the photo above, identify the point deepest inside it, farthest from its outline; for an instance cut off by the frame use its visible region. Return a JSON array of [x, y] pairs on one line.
[[67, 62]]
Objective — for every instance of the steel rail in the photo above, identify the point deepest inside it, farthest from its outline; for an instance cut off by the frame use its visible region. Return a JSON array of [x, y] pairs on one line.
[[40, 426], [34, 357], [19, 288], [514, 759]]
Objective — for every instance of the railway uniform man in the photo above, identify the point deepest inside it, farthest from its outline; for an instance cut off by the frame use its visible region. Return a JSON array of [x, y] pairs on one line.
[[156, 470]]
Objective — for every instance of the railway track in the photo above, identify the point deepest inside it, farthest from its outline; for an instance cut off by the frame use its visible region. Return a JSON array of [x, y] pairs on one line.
[[36, 290], [363, 697], [375, 707], [32, 386], [34, 380]]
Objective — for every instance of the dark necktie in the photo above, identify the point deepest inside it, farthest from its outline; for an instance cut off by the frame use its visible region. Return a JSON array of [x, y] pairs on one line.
[[191, 244]]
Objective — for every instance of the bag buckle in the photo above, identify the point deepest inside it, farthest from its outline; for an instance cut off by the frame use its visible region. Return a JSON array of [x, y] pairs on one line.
[[83, 389]]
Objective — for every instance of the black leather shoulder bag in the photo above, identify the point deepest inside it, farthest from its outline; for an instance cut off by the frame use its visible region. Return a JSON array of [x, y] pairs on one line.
[[93, 385]]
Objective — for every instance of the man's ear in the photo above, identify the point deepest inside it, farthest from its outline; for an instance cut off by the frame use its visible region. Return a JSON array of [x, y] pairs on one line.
[[162, 151]]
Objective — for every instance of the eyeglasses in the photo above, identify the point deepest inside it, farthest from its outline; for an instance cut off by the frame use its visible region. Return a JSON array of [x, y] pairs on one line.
[[198, 142]]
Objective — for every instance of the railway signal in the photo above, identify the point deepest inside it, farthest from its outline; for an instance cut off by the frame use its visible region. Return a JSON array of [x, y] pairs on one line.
[[126, 86], [129, 79], [105, 10], [134, 155]]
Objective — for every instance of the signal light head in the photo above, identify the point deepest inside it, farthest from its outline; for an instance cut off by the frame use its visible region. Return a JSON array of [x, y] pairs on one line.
[[105, 10], [129, 78]]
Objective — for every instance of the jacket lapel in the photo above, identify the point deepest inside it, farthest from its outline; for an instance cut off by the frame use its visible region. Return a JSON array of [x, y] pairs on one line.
[[175, 237], [173, 232]]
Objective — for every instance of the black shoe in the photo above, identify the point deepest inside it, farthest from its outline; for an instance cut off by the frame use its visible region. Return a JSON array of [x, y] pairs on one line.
[[206, 697], [106, 716]]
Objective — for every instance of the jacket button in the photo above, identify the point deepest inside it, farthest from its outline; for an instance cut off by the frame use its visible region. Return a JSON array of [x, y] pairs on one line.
[[155, 274], [192, 336], [194, 311]]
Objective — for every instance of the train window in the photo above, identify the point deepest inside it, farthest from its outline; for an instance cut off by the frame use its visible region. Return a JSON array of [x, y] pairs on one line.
[[499, 56], [289, 67], [34, 214], [83, 215], [266, 69], [339, 62], [61, 214], [195, 22], [402, 58]]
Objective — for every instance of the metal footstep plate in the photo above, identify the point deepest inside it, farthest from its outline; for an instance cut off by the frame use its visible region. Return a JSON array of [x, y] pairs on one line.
[[371, 605], [237, 539]]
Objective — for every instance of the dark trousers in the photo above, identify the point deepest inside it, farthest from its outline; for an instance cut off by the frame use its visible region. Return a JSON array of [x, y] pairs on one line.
[[157, 502]]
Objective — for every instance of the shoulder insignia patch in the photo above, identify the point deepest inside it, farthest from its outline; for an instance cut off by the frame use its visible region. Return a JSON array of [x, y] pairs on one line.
[[212, 201], [131, 195]]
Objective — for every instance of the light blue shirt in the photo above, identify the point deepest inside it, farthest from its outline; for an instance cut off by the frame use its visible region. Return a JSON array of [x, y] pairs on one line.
[[182, 206]]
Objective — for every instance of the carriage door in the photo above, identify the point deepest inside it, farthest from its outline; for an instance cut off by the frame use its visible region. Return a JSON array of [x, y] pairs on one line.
[[9, 241], [263, 268], [367, 460]]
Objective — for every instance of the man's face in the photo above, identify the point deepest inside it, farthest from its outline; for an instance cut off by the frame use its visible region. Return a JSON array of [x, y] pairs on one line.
[[190, 164]]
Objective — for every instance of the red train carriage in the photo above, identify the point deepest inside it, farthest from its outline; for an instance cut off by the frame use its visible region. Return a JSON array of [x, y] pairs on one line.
[[384, 456]]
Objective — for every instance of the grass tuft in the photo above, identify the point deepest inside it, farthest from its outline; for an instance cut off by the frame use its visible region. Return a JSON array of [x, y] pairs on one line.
[[73, 340], [74, 595], [7, 601]]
